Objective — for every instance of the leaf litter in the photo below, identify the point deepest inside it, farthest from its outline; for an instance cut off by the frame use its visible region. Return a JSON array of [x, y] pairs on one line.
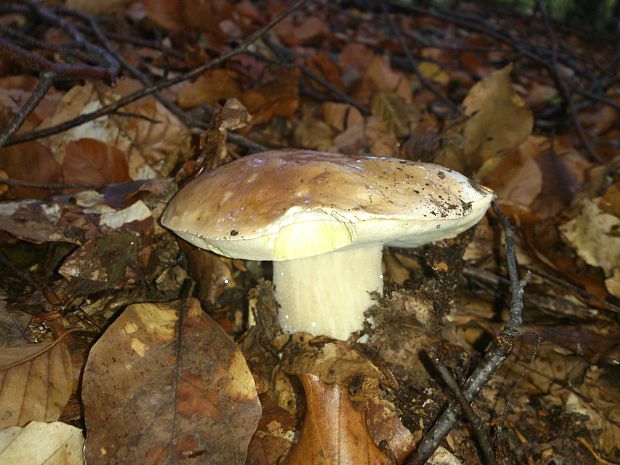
[[326, 78]]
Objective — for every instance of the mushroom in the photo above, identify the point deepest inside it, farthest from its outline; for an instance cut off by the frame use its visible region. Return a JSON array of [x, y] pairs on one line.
[[323, 219]]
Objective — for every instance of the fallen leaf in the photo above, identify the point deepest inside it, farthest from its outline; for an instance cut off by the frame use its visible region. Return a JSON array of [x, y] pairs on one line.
[[303, 30], [381, 77], [312, 133], [341, 115], [497, 122], [381, 139], [91, 162], [399, 116], [355, 56], [433, 72], [593, 235], [31, 162], [36, 381], [334, 430], [210, 87], [153, 140], [278, 97], [321, 64], [40, 443], [165, 384]]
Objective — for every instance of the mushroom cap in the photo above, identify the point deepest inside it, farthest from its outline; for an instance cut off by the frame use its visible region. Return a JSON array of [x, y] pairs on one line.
[[288, 204]]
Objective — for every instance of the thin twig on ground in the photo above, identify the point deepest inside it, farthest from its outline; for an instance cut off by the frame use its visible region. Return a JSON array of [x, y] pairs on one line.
[[159, 86], [493, 358], [452, 107], [46, 80], [562, 89], [482, 438]]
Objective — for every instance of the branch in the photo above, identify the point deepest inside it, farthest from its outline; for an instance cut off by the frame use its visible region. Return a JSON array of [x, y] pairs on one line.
[[157, 87], [454, 109], [559, 82], [491, 361], [482, 438], [45, 82]]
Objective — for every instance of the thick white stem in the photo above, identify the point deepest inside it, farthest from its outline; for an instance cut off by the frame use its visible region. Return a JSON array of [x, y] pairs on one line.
[[328, 294]]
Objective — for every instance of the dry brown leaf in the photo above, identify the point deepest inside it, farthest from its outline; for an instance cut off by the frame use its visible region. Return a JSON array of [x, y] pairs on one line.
[[341, 115], [381, 139], [212, 272], [91, 162], [433, 72], [42, 444], [278, 97], [399, 116], [593, 235], [32, 162], [497, 122], [321, 64], [165, 382], [304, 30], [36, 381], [312, 133], [381, 77], [355, 56], [210, 87], [334, 430], [153, 143]]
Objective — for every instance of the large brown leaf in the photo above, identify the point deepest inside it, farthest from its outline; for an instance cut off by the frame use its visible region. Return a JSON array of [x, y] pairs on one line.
[[36, 381], [334, 431], [165, 384]]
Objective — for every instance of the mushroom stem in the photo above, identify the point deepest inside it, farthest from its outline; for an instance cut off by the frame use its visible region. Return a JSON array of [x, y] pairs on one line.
[[328, 294]]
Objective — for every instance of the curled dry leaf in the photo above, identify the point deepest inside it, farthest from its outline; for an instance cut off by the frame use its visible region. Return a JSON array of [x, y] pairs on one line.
[[42, 444], [166, 383], [36, 381], [334, 431]]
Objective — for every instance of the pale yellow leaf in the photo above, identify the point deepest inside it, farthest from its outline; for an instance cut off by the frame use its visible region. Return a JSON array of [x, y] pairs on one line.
[[41, 444]]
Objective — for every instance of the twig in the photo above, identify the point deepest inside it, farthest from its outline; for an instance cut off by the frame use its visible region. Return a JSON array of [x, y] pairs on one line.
[[107, 68], [491, 361], [18, 183], [482, 438], [339, 94], [454, 109], [559, 82], [157, 87], [45, 82]]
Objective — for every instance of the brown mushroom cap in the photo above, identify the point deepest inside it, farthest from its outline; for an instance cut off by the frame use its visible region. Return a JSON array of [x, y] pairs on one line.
[[287, 204]]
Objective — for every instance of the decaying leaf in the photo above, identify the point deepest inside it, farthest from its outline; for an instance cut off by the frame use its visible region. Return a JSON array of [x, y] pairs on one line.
[[334, 431], [497, 122], [594, 236], [398, 115], [36, 381], [166, 383], [41, 443]]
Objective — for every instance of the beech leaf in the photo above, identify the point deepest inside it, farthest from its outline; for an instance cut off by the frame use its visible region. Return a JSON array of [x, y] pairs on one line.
[[165, 384], [36, 381], [41, 444]]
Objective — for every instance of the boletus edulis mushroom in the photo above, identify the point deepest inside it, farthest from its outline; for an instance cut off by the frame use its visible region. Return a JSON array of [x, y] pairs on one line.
[[323, 219]]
